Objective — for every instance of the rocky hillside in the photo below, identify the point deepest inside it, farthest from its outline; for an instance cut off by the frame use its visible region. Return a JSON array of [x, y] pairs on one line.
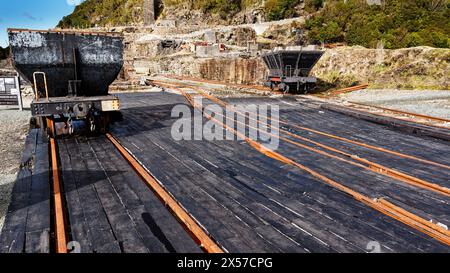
[[392, 35], [129, 12], [407, 68], [393, 23]]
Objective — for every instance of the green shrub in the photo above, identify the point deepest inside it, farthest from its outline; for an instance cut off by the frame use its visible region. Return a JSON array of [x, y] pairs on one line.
[[439, 39], [313, 5], [102, 12], [398, 23], [225, 8], [280, 9]]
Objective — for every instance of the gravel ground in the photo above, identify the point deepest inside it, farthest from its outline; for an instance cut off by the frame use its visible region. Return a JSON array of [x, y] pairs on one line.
[[13, 129], [427, 102]]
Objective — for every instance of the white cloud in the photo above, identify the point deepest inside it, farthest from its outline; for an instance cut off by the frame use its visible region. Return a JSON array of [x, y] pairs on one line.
[[74, 2]]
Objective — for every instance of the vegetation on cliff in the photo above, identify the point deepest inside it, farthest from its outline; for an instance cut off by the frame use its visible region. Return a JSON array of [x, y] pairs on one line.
[[397, 23], [273, 9], [92, 13]]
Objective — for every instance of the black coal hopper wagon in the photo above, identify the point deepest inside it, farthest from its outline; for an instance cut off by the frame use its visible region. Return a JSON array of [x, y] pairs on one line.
[[290, 68], [70, 73]]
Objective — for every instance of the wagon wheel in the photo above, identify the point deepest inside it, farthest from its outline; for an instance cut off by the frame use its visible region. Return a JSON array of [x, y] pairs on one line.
[[307, 88]]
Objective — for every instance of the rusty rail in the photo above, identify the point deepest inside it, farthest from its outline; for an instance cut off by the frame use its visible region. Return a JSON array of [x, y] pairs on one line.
[[235, 85], [366, 164], [59, 220], [350, 89], [402, 112], [194, 229], [380, 205]]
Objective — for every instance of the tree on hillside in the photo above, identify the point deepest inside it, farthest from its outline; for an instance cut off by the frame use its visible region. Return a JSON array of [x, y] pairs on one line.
[[397, 23]]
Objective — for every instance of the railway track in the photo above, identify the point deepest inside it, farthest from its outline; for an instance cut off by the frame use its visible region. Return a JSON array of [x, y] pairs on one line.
[[209, 198], [60, 220], [409, 116], [379, 168], [61, 226], [241, 86], [380, 204], [406, 116], [196, 231], [256, 87]]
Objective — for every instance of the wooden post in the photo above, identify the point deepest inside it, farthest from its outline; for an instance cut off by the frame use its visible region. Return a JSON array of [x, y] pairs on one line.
[[19, 92]]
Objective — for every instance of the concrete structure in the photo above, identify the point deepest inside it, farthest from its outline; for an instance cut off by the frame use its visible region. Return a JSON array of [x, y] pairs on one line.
[[253, 49], [167, 23], [206, 51], [210, 36]]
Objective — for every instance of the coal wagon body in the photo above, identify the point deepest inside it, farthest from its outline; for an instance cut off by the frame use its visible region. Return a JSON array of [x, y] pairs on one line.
[[70, 73], [289, 69]]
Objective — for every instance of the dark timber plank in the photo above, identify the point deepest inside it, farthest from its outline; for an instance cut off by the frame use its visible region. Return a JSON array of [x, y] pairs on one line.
[[407, 126], [27, 222], [159, 229], [38, 220], [229, 180], [102, 237]]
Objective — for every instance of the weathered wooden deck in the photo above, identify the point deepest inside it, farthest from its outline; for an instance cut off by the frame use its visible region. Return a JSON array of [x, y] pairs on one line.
[[247, 202]]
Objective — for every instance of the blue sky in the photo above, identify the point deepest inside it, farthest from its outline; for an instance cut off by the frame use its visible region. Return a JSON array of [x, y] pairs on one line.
[[33, 14]]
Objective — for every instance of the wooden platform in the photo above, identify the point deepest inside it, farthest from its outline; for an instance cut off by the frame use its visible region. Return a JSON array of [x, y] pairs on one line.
[[251, 203], [110, 208], [407, 126], [247, 201], [27, 223]]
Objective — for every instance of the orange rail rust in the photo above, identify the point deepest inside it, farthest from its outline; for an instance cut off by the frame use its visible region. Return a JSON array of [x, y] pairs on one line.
[[354, 142], [384, 207], [60, 224], [194, 229], [257, 87], [403, 118], [402, 112], [368, 165], [413, 216], [350, 89], [402, 155], [371, 166]]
